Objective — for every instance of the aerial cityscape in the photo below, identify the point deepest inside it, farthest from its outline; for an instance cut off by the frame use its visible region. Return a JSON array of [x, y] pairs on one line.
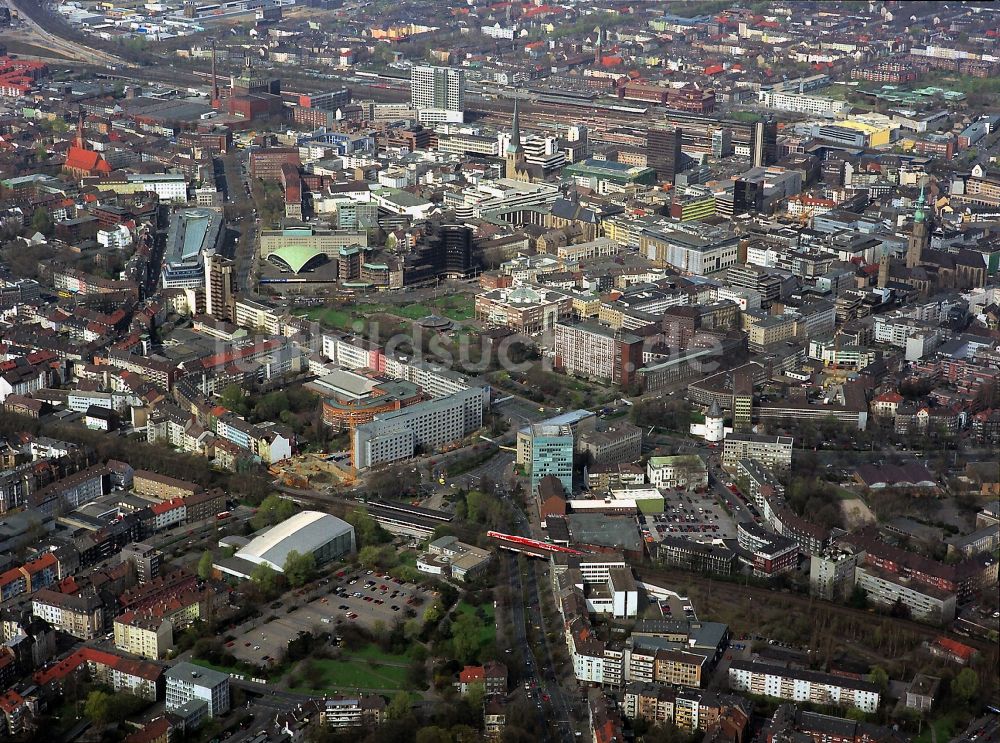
[[522, 371]]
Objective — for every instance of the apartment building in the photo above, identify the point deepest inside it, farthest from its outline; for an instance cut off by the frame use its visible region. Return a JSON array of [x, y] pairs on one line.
[[354, 711], [164, 487], [774, 452], [146, 635], [803, 686], [926, 603], [597, 352], [139, 678], [79, 615]]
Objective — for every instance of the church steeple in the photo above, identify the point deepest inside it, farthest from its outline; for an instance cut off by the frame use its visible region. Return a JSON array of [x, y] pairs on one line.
[[919, 237], [514, 154], [514, 146], [918, 215]]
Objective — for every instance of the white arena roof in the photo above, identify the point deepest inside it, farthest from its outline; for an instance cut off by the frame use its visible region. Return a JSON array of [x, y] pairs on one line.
[[304, 532]]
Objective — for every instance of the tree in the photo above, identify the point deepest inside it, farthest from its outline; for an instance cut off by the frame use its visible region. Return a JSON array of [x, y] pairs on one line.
[[99, 708], [855, 714], [433, 734], [273, 510], [265, 578], [233, 398], [299, 568], [41, 221], [965, 685], [369, 555], [474, 695], [465, 638], [433, 614], [205, 565], [400, 706], [366, 529], [879, 677]]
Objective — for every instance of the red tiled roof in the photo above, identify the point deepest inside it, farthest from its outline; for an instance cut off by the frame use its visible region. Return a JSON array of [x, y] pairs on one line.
[[86, 160], [955, 647], [10, 701], [61, 670], [471, 674]]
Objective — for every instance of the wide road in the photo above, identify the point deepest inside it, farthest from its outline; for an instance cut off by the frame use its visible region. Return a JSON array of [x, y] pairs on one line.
[[242, 215], [549, 682], [517, 616]]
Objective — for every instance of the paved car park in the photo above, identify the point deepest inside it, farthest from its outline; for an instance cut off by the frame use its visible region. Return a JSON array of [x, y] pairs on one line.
[[354, 597], [696, 516]]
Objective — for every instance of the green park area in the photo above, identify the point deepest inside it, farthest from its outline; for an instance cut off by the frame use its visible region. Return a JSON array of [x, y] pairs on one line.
[[454, 307], [484, 616], [368, 668]]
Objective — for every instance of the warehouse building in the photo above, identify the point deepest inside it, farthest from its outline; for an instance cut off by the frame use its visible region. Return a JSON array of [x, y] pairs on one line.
[[309, 532]]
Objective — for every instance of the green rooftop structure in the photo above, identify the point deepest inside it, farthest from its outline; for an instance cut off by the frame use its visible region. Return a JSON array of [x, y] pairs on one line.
[[297, 258], [597, 174]]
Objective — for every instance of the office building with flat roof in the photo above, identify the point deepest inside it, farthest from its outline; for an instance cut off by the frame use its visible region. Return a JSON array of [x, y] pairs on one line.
[[187, 682], [191, 233], [597, 352], [552, 454], [427, 425], [440, 88]]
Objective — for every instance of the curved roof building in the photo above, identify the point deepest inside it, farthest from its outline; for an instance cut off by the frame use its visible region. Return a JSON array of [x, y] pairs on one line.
[[297, 258], [321, 534]]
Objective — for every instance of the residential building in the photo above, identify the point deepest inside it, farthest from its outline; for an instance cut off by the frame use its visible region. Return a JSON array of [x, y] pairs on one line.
[[139, 678], [682, 471], [80, 615], [774, 452], [597, 352], [822, 689]]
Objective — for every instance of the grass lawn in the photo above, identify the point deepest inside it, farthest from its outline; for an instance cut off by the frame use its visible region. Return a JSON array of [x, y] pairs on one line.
[[944, 726], [329, 316], [845, 494], [359, 673], [458, 307], [487, 629]]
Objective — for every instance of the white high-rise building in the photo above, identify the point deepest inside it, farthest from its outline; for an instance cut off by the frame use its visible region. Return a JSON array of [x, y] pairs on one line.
[[437, 88]]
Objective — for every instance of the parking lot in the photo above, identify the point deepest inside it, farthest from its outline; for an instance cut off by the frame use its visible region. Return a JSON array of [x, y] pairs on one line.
[[355, 597], [696, 516]]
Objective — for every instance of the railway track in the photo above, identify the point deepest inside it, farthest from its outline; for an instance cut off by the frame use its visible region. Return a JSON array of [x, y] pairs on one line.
[[49, 40], [665, 576]]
